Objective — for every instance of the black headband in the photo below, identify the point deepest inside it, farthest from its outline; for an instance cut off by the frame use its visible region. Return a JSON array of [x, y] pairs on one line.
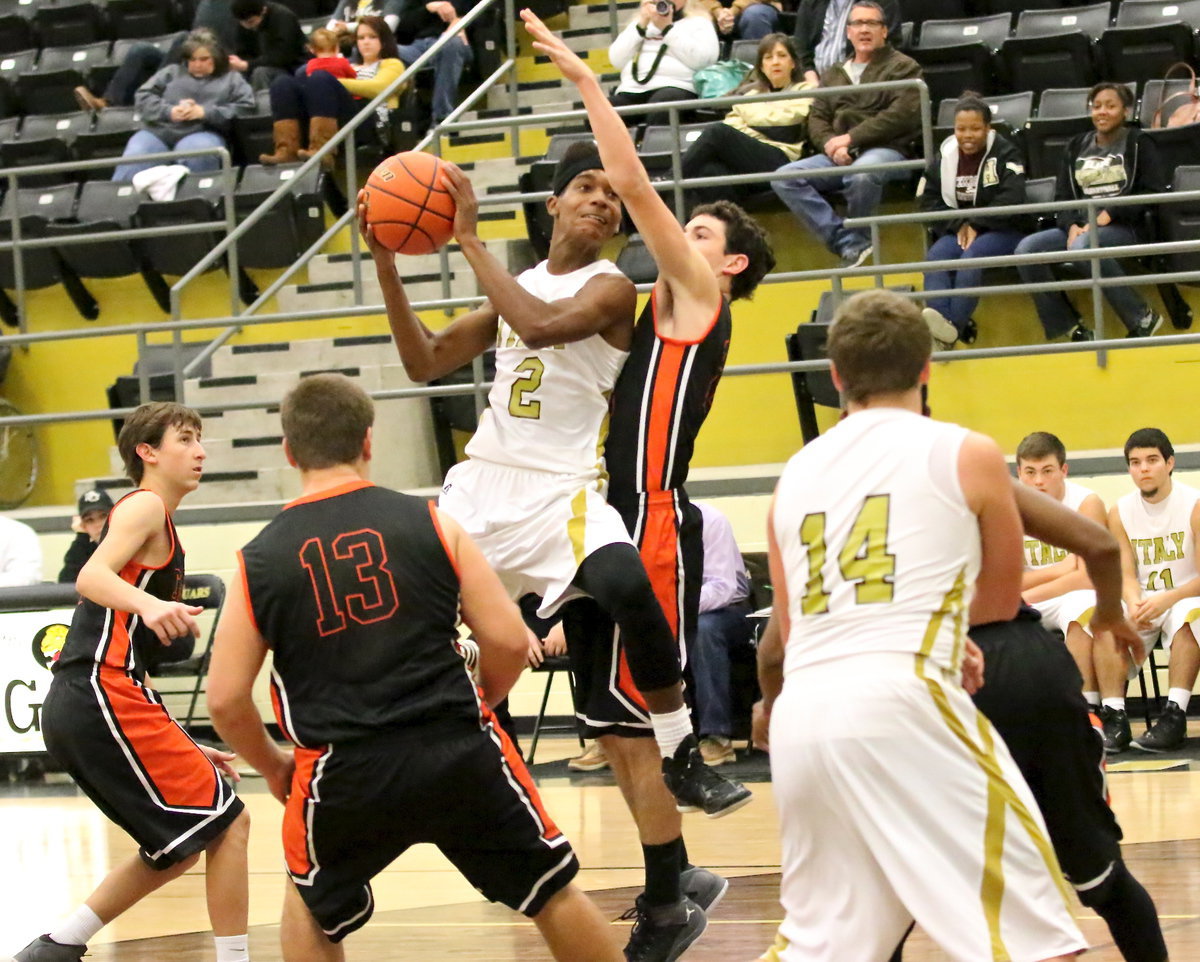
[[571, 167]]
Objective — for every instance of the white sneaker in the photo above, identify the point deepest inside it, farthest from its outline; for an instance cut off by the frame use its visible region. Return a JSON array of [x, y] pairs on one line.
[[944, 333]]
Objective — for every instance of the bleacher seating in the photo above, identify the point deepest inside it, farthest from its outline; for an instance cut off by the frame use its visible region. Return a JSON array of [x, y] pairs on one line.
[[958, 55]]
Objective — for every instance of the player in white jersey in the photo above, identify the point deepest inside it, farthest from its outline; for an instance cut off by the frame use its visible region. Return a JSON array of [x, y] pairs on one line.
[[1056, 583], [1157, 527], [887, 535]]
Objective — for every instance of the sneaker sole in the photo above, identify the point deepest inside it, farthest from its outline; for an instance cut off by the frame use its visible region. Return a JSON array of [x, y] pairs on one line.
[[678, 950], [727, 810], [716, 899], [1156, 751], [587, 768]]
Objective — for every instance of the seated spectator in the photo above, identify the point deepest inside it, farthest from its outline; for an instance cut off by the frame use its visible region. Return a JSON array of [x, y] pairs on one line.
[[88, 524], [20, 554], [744, 19], [187, 106], [418, 28], [722, 628], [141, 62], [1111, 160], [754, 138], [270, 41], [347, 14], [821, 33], [853, 129], [658, 55], [975, 168], [325, 102], [327, 55]]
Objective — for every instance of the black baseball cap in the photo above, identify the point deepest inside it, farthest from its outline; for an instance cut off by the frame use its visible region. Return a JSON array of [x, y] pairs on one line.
[[94, 500]]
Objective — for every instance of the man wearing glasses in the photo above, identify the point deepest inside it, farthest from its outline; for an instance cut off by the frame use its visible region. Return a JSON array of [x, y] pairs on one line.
[[854, 129]]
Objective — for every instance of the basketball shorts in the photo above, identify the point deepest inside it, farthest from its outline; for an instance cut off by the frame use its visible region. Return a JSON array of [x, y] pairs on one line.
[[355, 807], [667, 531], [1074, 606], [136, 763], [534, 527], [1032, 696], [1167, 624], [902, 803]]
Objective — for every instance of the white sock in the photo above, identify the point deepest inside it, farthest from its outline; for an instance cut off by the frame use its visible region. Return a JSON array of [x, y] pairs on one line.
[[1181, 697], [77, 928], [1117, 703], [1092, 698], [231, 948], [670, 729]]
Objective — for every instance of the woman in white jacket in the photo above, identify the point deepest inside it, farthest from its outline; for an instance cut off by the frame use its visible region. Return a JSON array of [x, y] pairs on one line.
[[658, 53]]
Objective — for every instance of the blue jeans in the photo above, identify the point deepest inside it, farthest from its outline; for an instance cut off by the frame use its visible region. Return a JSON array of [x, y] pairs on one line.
[[717, 634], [958, 310], [448, 67], [1053, 309], [756, 21], [144, 142], [863, 191]]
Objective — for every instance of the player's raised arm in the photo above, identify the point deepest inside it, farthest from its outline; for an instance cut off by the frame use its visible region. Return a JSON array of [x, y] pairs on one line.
[[986, 484], [133, 527], [685, 273], [425, 354]]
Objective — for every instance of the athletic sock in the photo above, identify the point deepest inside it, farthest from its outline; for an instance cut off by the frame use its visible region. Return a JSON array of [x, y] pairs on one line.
[[684, 862], [1092, 698], [1181, 697], [1129, 912], [77, 928], [1115, 703], [231, 948], [662, 872], [670, 729]]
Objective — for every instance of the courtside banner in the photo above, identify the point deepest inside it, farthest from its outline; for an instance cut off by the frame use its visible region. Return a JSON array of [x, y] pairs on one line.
[[29, 643]]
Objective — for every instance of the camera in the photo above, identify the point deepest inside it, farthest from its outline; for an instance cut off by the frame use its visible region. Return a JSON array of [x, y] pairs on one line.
[[664, 8]]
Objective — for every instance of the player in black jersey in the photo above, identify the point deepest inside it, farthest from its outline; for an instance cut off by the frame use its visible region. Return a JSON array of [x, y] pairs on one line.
[[356, 591], [107, 726], [661, 398]]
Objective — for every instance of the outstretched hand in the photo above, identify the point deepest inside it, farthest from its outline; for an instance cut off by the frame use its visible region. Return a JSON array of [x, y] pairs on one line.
[[466, 205], [548, 43], [378, 251]]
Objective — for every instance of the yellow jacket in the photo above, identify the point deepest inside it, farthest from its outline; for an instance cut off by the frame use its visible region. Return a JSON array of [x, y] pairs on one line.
[[372, 87], [783, 119]]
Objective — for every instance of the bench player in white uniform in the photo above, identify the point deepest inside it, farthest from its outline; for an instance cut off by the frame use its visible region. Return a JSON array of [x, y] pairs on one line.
[[1056, 583], [900, 802], [1157, 526]]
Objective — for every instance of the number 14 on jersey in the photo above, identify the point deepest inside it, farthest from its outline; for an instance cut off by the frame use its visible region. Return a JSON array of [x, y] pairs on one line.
[[863, 560]]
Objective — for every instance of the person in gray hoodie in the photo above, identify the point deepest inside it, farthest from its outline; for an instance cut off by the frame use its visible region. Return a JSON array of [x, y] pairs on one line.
[[187, 106]]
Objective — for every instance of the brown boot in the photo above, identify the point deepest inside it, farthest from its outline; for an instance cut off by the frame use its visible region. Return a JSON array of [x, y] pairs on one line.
[[320, 132], [287, 143], [88, 100]]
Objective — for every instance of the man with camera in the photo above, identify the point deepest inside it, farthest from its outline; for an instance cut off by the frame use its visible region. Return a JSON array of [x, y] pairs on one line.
[[658, 53]]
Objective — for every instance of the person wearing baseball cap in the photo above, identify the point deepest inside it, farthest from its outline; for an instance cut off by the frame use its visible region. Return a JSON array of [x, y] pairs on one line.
[[88, 524]]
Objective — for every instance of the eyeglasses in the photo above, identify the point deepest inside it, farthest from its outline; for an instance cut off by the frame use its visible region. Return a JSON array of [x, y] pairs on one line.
[[864, 23]]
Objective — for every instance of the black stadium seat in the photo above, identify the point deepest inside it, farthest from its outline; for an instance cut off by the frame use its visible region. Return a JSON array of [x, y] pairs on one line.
[[111, 132], [16, 33], [138, 18], [957, 55], [1181, 221], [1149, 36], [68, 24], [658, 142], [287, 229], [47, 91], [36, 207], [104, 205], [1054, 48]]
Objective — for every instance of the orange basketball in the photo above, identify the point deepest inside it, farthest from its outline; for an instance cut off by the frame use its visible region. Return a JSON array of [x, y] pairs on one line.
[[408, 205]]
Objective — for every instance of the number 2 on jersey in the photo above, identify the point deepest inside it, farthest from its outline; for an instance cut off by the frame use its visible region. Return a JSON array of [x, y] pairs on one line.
[[519, 406], [362, 551], [864, 559]]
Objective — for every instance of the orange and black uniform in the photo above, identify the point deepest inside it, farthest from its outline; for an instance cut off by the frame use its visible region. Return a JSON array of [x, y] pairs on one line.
[[357, 596], [111, 732], [659, 404]]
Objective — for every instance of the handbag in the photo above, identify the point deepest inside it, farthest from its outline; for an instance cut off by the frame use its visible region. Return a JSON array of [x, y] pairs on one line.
[[1180, 108], [720, 78]]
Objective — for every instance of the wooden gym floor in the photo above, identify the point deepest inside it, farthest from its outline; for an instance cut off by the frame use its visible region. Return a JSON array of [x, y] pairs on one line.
[[56, 847]]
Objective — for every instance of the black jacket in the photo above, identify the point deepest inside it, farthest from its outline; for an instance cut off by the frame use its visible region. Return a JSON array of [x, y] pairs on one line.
[[810, 21], [1148, 177], [1000, 182], [78, 553], [277, 42], [415, 22]]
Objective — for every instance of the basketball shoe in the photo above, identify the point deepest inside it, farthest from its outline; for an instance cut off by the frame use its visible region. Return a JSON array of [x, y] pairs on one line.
[[697, 788], [703, 887], [1167, 733], [42, 949], [1117, 735], [661, 933]]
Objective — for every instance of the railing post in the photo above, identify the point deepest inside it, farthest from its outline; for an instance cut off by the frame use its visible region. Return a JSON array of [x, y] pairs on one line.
[[142, 369], [1097, 293], [676, 164], [231, 262], [352, 202], [18, 253], [510, 40]]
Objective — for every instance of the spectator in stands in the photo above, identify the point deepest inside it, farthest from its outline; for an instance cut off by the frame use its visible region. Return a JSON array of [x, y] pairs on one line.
[[744, 19], [658, 54], [141, 62], [974, 169], [346, 15], [419, 25], [326, 101], [853, 129], [1111, 160], [187, 106], [821, 33], [754, 138], [270, 41], [327, 55], [20, 554], [88, 523], [722, 628]]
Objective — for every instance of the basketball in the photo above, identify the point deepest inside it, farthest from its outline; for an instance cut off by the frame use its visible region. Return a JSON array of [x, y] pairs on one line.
[[408, 205]]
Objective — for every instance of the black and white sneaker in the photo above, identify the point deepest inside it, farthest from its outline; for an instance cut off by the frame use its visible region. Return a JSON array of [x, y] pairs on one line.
[[703, 887], [1166, 734], [1149, 324], [854, 256], [1079, 334], [44, 949], [1117, 735], [698, 788], [663, 933]]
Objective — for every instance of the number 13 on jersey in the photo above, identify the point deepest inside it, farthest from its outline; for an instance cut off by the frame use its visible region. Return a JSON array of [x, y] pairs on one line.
[[863, 560]]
